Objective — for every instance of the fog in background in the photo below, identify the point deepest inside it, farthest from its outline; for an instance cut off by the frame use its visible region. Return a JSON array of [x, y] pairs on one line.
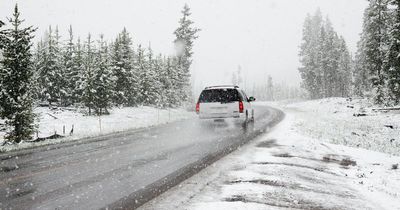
[[262, 36]]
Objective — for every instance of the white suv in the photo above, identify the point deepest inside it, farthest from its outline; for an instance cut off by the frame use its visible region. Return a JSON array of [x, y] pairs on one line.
[[221, 102]]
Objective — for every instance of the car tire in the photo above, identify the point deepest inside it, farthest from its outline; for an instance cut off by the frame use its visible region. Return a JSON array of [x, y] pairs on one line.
[[246, 119]]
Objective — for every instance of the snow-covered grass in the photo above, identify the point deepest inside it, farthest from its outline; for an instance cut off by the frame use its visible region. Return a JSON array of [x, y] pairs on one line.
[[288, 169], [120, 119], [332, 120]]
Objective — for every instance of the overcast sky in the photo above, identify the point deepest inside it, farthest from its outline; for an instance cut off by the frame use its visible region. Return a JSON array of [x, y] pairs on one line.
[[263, 36]]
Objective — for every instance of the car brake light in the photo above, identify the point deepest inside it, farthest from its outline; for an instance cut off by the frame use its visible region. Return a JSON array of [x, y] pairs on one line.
[[241, 107], [197, 108]]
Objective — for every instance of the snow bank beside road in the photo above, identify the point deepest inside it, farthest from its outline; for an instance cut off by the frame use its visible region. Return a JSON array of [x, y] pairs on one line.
[[54, 121], [335, 120]]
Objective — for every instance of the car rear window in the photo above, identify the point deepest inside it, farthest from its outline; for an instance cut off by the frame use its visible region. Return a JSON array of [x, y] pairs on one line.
[[219, 95]]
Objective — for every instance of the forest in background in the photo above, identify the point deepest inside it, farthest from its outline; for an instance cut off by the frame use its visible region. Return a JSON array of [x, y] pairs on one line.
[[329, 70], [326, 69], [89, 73], [100, 75]]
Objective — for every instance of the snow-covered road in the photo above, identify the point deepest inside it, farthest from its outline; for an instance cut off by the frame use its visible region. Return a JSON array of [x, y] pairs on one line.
[[286, 169], [119, 170]]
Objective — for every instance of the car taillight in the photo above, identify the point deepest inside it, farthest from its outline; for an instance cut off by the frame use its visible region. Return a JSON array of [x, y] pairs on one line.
[[197, 108], [241, 107]]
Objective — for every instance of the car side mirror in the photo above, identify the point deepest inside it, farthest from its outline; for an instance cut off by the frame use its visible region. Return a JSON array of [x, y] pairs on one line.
[[252, 99]]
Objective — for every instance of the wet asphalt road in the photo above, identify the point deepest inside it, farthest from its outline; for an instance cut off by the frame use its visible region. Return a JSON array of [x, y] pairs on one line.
[[120, 171]]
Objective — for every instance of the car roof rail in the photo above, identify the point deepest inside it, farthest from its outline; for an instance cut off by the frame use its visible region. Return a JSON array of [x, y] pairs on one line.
[[222, 86]]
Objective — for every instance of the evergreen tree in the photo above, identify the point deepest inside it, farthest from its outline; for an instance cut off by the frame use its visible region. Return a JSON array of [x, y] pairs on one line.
[[376, 40], [171, 82], [61, 83], [270, 89], [126, 81], [71, 72], [161, 83], [185, 35], [149, 84], [77, 79], [88, 87], [50, 75], [361, 74], [329, 60], [343, 81], [141, 68], [393, 57], [310, 57], [38, 62], [164, 90], [103, 79], [16, 76]]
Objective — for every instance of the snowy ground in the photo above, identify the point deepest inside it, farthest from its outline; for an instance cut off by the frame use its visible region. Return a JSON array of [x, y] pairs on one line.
[[120, 119], [293, 167], [332, 120]]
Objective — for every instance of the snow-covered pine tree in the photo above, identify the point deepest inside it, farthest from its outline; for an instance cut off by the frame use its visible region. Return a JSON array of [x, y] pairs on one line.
[[39, 57], [147, 74], [51, 72], [41, 67], [185, 35], [179, 81], [140, 68], [161, 82], [76, 81], [126, 83], [270, 89], [310, 55], [343, 82], [323, 52], [70, 71], [149, 83], [16, 77], [376, 41], [88, 89], [163, 72], [393, 57], [172, 88], [361, 82], [165, 82], [61, 82], [119, 73], [103, 79], [330, 60]]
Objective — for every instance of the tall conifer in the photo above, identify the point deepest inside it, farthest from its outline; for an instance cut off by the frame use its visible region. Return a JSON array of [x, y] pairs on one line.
[[16, 79]]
